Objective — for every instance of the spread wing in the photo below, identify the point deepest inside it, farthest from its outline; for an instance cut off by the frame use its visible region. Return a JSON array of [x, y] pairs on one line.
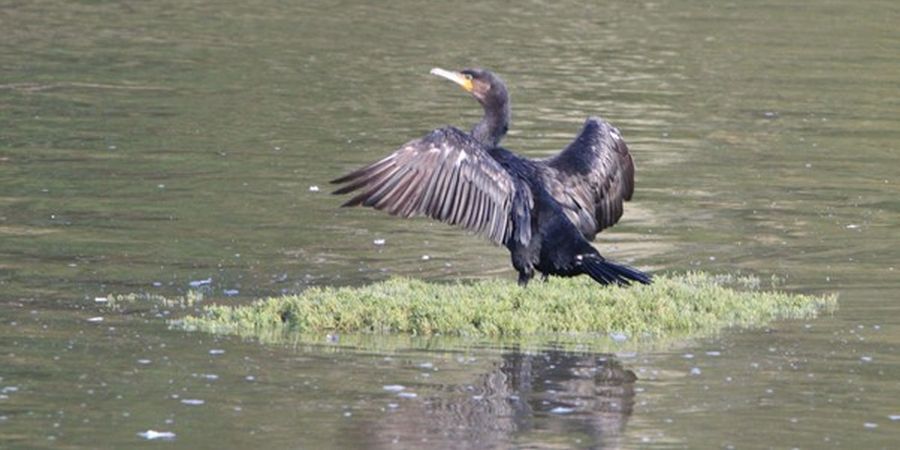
[[446, 175], [593, 176]]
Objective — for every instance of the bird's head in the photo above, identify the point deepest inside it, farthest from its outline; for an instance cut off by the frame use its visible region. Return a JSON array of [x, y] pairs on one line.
[[486, 87]]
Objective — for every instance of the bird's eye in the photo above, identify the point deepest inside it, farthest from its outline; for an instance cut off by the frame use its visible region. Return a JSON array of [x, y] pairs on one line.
[[469, 76]]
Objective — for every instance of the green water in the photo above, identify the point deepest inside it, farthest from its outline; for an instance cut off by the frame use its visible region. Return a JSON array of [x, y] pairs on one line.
[[146, 145]]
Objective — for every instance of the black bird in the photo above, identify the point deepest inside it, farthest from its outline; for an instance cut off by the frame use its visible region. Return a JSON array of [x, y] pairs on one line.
[[545, 211]]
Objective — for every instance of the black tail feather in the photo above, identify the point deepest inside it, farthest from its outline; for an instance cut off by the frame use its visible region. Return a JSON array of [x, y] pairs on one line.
[[605, 272]]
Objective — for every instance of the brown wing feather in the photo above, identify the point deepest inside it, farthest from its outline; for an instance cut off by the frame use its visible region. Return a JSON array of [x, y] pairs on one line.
[[447, 175], [593, 177]]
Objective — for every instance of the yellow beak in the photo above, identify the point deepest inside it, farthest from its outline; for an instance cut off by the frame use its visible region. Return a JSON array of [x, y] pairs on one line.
[[456, 77]]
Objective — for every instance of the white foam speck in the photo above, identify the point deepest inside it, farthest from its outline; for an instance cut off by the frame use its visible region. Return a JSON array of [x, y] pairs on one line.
[[562, 410], [199, 283], [154, 435], [393, 387], [192, 401]]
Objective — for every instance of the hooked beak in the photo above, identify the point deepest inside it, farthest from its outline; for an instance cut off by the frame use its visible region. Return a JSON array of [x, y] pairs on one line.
[[456, 77]]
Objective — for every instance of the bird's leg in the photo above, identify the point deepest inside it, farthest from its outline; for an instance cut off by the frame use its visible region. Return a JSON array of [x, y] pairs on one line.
[[545, 277], [521, 260], [525, 276]]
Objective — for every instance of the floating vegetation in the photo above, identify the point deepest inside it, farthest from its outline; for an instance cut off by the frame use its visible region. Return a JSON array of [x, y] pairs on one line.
[[153, 302], [674, 305]]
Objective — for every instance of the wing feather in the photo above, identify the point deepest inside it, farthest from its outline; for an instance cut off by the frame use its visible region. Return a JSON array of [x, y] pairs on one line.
[[447, 175], [593, 176]]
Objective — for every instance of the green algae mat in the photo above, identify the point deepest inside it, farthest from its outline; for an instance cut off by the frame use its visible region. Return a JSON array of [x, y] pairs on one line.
[[674, 305]]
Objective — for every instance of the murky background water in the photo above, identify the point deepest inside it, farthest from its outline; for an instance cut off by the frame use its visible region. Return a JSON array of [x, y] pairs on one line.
[[146, 145]]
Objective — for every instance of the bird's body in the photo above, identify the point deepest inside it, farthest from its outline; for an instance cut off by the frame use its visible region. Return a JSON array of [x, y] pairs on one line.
[[545, 211]]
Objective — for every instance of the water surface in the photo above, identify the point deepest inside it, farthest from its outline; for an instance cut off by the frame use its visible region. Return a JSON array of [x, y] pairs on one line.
[[149, 145]]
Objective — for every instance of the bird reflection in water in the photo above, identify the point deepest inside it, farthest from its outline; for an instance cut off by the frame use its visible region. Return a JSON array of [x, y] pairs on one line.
[[587, 397]]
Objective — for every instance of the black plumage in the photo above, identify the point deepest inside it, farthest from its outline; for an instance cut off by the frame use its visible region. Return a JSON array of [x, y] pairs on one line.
[[545, 211]]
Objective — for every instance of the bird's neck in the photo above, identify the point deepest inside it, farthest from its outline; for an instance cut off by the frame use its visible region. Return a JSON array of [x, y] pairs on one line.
[[493, 125]]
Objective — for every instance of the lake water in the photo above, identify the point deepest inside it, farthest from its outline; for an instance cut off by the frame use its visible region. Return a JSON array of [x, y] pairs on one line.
[[148, 145]]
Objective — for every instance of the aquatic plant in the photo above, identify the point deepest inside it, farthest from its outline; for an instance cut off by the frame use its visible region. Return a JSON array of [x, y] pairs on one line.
[[688, 304]]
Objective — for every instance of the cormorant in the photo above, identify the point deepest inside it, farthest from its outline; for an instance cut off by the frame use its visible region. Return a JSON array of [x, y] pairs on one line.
[[545, 211]]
